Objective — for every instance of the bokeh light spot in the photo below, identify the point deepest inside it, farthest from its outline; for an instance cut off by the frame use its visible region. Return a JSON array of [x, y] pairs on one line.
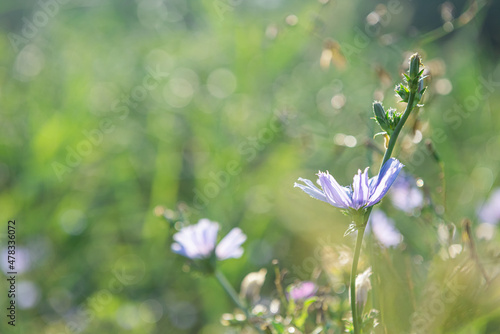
[[23, 260], [292, 20], [443, 86], [181, 88], [350, 141], [29, 62], [127, 316], [221, 83], [485, 231], [28, 294], [372, 18], [151, 311], [338, 101]]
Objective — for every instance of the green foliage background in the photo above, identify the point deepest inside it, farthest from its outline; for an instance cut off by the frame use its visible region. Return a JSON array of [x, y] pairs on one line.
[[241, 110]]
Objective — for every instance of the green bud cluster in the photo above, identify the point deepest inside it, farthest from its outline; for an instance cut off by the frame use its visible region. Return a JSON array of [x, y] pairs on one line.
[[388, 120], [413, 85], [414, 81], [403, 92]]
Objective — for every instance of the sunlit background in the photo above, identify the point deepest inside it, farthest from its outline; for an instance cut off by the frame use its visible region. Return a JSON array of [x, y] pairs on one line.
[[114, 111]]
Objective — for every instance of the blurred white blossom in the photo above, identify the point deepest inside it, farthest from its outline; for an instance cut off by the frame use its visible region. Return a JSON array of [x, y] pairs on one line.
[[199, 241]]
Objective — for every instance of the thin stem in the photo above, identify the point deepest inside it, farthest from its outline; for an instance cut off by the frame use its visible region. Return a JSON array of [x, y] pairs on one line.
[[234, 296], [230, 291], [279, 286], [354, 272], [397, 130], [393, 139]]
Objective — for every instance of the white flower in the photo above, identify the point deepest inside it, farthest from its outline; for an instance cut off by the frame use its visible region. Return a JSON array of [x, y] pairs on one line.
[[199, 241]]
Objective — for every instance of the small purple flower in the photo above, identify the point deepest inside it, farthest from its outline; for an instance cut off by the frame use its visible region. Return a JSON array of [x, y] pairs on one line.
[[490, 211], [405, 195], [302, 290], [199, 241], [384, 229], [363, 193]]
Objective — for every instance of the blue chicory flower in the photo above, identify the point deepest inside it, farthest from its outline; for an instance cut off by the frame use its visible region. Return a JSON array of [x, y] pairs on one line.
[[384, 229], [199, 241], [405, 195], [362, 194], [302, 290]]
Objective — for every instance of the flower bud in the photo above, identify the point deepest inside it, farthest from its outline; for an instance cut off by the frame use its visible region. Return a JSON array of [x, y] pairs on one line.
[[380, 115], [420, 85], [363, 285], [251, 284], [378, 110], [414, 66], [403, 92]]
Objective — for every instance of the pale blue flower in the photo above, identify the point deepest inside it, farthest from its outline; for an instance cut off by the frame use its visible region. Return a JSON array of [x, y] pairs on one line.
[[199, 241], [384, 229], [489, 212], [363, 193], [405, 195]]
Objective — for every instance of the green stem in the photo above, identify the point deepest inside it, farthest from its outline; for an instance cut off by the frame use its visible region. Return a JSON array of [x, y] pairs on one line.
[[354, 272], [279, 286], [397, 130], [234, 296], [230, 291]]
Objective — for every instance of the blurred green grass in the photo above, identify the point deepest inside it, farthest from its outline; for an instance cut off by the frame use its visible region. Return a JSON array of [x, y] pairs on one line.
[[268, 111]]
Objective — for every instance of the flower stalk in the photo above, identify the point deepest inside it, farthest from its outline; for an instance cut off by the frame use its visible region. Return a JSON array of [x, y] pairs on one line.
[[414, 95], [411, 94], [358, 200], [354, 271], [397, 130], [234, 296]]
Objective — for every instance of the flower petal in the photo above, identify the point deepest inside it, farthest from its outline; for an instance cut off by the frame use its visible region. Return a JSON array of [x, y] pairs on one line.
[[490, 211], [179, 249], [404, 193], [196, 241], [206, 236], [384, 229], [311, 190], [302, 290], [360, 189], [230, 245], [185, 245], [337, 195], [388, 173]]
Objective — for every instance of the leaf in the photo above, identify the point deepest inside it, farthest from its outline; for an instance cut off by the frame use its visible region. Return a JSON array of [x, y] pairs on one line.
[[379, 134], [299, 322], [291, 306]]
